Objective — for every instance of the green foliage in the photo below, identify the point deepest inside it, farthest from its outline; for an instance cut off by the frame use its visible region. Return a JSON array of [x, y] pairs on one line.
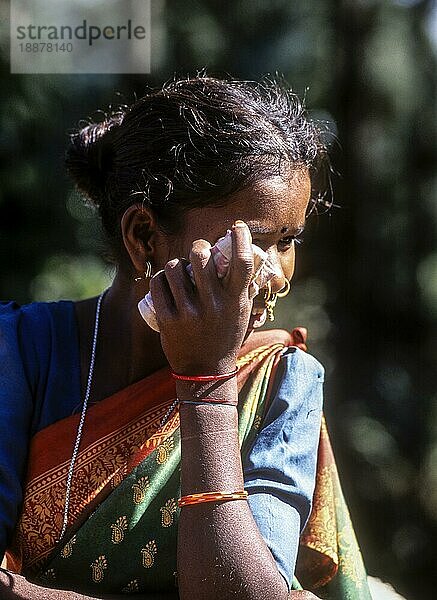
[[70, 277]]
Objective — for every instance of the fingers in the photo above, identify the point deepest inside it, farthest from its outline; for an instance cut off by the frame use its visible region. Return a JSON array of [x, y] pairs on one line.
[[179, 283], [162, 298], [204, 269], [241, 267], [172, 289]]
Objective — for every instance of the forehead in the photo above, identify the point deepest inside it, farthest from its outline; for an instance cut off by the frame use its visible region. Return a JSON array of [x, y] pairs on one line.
[[273, 203]]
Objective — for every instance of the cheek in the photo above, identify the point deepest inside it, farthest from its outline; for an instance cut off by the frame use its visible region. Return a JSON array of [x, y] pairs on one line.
[[166, 248], [287, 260]]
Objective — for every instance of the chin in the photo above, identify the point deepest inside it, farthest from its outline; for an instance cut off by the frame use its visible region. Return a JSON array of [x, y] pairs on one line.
[[248, 333]]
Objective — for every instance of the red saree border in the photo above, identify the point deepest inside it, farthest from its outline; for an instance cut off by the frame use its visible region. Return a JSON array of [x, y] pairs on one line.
[[101, 418]]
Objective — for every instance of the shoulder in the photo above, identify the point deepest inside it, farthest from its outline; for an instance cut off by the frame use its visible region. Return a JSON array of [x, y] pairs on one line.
[[280, 468], [294, 405], [35, 309], [300, 368], [37, 315], [39, 360], [294, 359], [38, 387], [28, 331], [291, 423], [299, 379], [298, 359]]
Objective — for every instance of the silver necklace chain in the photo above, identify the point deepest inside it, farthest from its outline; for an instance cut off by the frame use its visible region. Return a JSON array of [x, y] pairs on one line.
[[82, 418], [171, 408], [83, 414]]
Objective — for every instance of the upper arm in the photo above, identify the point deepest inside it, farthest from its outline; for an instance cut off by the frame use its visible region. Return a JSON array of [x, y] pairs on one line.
[[15, 419], [280, 468]]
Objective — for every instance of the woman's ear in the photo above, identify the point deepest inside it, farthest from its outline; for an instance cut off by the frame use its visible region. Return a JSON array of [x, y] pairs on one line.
[[138, 228]]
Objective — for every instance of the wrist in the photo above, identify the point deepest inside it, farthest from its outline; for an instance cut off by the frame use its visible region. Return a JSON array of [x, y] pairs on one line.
[[202, 367], [206, 378], [193, 390]]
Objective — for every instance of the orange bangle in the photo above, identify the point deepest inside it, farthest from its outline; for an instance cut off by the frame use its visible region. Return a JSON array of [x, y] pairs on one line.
[[211, 497]]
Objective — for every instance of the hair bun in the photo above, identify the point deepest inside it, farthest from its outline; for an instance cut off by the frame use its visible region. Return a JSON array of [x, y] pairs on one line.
[[89, 156]]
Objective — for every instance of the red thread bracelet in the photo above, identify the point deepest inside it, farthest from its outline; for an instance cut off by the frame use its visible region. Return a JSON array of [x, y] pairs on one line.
[[204, 377], [208, 400]]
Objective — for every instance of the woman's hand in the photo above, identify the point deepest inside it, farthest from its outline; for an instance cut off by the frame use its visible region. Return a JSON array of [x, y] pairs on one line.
[[203, 327]]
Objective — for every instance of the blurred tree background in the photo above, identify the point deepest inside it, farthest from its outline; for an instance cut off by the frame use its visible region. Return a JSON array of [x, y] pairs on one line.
[[366, 281]]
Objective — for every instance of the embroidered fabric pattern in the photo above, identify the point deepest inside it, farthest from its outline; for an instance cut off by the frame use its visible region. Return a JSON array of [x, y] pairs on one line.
[[104, 463]]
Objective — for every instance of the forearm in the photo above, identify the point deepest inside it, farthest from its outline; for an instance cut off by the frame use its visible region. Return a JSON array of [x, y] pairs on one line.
[[16, 587], [221, 553]]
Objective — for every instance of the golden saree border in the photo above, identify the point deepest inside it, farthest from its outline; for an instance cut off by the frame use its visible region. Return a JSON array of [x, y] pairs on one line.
[[330, 561], [318, 557]]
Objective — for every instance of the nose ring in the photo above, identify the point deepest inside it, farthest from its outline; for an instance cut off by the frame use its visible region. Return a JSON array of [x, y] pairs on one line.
[[284, 290]]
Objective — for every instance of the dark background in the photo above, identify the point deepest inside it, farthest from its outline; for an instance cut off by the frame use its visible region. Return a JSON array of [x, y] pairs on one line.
[[366, 281]]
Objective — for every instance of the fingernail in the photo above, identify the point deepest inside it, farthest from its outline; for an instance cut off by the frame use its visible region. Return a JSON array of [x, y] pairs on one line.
[[239, 223]]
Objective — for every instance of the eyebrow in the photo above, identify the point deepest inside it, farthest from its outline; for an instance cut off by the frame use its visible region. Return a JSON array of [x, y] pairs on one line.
[[260, 230]]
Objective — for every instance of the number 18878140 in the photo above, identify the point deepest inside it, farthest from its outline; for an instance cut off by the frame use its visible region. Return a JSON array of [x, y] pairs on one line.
[[45, 47]]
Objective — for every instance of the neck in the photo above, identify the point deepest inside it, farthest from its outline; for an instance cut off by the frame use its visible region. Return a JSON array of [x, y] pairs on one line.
[[127, 349]]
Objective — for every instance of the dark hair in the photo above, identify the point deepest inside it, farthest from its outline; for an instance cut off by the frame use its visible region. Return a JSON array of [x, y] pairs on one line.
[[190, 144]]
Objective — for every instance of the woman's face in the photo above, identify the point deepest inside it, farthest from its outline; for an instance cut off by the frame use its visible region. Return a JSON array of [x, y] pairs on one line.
[[274, 210]]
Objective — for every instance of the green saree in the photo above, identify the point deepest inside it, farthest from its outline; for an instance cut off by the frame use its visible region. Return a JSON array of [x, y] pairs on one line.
[[122, 534]]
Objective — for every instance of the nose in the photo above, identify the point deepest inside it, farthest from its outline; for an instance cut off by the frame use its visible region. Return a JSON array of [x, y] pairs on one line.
[[283, 271], [279, 283]]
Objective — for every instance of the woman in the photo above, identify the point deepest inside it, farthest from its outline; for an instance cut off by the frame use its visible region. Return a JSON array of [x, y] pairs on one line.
[[118, 498]]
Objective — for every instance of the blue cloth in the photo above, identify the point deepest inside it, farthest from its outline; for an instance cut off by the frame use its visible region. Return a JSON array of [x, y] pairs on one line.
[[280, 470], [40, 384]]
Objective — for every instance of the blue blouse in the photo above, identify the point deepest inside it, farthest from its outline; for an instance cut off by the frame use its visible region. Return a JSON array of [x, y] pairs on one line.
[[40, 384]]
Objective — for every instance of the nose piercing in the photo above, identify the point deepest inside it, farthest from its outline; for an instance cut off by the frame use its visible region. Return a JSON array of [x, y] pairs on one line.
[[270, 298], [284, 290]]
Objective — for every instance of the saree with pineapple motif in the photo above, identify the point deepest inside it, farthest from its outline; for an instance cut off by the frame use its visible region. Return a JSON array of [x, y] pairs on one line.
[[123, 516]]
